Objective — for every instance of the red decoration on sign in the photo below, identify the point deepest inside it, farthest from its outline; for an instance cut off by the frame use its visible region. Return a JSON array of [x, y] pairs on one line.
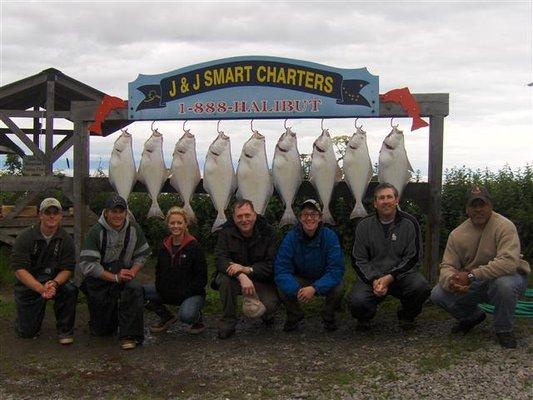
[[405, 99], [109, 103]]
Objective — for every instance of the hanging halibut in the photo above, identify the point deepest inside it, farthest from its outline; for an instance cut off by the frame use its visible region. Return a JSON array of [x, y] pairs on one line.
[[287, 173], [394, 166], [185, 171], [254, 180], [324, 172], [152, 171], [122, 171], [357, 170], [219, 177]]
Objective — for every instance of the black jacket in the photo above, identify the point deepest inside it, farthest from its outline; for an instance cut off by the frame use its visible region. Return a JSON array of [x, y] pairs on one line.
[[182, 275], [257, 252]]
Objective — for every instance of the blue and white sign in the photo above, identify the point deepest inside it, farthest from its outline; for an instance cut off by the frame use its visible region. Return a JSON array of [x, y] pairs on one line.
[[254, 87]]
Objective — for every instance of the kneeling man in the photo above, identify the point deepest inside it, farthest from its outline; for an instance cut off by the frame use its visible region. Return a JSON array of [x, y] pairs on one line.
[[482, 263]]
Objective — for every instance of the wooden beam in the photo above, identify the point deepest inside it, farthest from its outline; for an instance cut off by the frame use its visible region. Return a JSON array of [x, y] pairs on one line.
[[85, 111], [10, 240], [35, 183], [7, 142], [49, 149], [21, 203], [36, 114], [28, 83], [431, 104], [22, 136], [62, 147], [36, 127], [31, 131], [436, 135]]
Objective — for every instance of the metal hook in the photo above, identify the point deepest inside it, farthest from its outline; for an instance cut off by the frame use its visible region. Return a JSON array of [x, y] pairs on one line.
[[355, 124], [152, 126], [285, 124], [322, 124], [218, 127], [184, 126], [392, 119], [252, 126]]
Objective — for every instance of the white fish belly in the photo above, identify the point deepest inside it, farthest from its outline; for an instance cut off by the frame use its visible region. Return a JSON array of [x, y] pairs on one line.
[[287, 176], [255, 184], [218, 180], [185, 176], [358, 173], [122, 175]]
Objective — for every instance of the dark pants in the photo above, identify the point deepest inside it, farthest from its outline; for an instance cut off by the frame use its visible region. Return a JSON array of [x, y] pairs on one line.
[[190, 309], [31, 308], [229, 288], [331, 303], [412, 289], [112, 305]]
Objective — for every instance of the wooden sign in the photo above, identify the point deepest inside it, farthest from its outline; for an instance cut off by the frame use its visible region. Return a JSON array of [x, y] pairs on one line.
[[254, 87], [33, 166]]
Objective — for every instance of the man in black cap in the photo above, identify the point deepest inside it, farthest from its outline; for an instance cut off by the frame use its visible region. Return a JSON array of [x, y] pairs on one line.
[[482, 263], [114, 251], [310, 263], [43, 259]]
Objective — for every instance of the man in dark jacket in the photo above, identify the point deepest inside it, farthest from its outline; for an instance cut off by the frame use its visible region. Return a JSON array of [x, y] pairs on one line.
[[43, 259], [310, 262], [386, 256], [114, 251], [244, 257]]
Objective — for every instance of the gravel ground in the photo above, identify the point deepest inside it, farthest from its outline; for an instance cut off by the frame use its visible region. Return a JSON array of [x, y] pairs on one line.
[[266, 363]]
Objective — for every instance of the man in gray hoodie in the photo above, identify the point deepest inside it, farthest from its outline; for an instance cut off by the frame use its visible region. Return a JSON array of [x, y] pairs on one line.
[[114, 251]]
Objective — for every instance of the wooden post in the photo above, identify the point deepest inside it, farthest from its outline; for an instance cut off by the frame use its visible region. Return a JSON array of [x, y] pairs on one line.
[[436, 134], [49, 142], [81, 171]]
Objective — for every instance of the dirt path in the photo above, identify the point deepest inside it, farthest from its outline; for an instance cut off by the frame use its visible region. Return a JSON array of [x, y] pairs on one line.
[[263, 363]]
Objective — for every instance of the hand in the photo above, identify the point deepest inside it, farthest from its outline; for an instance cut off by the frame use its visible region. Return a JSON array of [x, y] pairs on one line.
[[305, 294], [460, 278], [381, 285], [49, 290], [235, 269], [125, 275], [457, 287], [247, 286]]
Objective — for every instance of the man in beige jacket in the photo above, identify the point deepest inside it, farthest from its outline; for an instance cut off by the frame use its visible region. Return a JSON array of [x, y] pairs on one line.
[[482, 263]]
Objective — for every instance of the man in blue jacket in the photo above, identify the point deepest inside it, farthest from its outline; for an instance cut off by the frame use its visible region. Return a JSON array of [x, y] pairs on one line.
[[386, 255], [309, 262]]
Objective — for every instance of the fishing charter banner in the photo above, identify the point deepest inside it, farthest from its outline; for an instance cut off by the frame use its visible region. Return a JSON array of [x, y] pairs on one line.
[[254, 87]]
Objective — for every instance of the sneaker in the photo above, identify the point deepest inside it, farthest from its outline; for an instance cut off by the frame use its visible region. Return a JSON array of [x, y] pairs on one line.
[[65, 339], [292, 325], [163, 324], [197, 327], [506, 340], [363, 325], [128, 344], [466, 326], [226, 333], [330, 325]]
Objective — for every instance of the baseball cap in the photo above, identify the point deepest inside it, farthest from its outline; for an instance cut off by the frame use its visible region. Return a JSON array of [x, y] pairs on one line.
[[50, 202], [478, 192], [311, 203], [115, 201], [252, 307]]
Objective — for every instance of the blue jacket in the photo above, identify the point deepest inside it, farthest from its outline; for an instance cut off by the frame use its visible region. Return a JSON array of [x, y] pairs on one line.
[[319, 259]]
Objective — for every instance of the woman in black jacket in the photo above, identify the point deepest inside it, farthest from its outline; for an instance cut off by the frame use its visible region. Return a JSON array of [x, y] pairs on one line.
[[181, 276]]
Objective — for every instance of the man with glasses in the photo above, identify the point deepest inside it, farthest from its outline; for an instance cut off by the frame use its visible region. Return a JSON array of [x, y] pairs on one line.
[[115, 250], [43, 259], [386, 256], [244, 257], [310, 263]]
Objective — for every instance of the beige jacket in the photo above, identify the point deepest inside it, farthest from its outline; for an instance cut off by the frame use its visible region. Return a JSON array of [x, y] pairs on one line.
[[488, 253]]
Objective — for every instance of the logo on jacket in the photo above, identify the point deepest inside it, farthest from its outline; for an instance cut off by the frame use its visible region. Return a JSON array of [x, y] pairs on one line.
[[393, 237]]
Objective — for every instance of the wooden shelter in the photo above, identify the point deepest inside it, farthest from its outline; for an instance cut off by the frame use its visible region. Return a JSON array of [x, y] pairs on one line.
[[51, 94]]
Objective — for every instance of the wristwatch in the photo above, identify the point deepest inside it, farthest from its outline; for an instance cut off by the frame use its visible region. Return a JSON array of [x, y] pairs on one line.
[[471, 277]]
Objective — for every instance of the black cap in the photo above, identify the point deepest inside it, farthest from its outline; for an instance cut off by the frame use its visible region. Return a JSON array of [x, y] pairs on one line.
[[311, 203], [116, 201], [478, 192]]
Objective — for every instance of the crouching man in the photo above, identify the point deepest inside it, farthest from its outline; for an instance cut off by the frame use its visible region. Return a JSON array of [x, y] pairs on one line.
[[482, 263], [114, 251], [43, 259]]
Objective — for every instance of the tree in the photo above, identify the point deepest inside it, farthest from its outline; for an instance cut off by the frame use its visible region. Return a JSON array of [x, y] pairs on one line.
[[13, 164]]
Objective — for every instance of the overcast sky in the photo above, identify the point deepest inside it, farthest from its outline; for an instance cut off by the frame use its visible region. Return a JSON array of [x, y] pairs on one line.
[[480, 52]]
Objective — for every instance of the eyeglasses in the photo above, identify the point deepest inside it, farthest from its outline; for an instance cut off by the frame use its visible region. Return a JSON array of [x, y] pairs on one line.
[[313, 215]]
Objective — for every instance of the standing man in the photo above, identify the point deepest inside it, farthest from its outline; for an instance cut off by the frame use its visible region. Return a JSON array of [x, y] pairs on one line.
[[114, 251], [43, 259], [386, 256], [482, 263], [244, 257], [310, 262]]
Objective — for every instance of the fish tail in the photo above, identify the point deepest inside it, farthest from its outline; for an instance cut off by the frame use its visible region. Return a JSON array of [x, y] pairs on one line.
[[190, 212], [418, 123], [155, 211], [288, 217], [327, 218], [219, 221], [358, 211]]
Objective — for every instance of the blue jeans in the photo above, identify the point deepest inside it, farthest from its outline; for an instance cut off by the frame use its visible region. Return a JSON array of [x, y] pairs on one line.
[[502, 292], [189, 311]]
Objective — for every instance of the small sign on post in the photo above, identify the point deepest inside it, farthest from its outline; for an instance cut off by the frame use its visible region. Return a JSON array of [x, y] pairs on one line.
[[255, 87], [33, 166]]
